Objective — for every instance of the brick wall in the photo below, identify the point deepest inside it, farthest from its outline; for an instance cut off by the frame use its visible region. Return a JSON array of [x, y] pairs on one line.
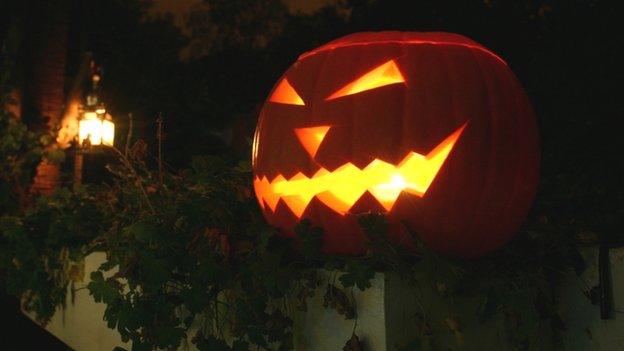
[[47, 82]]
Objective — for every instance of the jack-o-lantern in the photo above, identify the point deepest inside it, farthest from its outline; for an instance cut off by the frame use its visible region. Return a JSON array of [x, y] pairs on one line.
[[432, 129]]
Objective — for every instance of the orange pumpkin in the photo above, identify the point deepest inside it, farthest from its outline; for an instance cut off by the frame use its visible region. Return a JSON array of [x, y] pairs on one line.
[[432, 129]]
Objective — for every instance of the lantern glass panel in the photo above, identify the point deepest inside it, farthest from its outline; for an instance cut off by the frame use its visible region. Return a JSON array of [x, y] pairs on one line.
[[108, 132], [98, 130], [90, 126]]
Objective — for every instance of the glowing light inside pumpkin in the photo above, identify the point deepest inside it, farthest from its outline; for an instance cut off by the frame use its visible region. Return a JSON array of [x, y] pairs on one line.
[[311, 138], [341, 189], [386, 74], [285, 94], [97, 129]]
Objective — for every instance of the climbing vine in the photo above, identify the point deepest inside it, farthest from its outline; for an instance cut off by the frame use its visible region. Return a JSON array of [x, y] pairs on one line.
[[40, 237]]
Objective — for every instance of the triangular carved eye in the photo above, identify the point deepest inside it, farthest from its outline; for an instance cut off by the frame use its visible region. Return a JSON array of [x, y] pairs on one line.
[[286, 94], [386, 74]]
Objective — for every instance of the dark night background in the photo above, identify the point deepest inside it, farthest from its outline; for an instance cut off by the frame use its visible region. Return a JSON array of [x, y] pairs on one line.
[[209, 76]]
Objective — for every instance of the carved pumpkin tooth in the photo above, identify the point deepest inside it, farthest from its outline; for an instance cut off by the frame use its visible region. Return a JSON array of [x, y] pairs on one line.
[[346, 184], [330, 200], [296, 204]]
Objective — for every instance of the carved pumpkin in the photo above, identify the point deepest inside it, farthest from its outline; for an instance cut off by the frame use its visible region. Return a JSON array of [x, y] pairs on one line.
[[431, 129]]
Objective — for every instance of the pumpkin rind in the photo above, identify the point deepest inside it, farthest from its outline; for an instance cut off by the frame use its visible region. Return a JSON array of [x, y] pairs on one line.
[[484, 188]]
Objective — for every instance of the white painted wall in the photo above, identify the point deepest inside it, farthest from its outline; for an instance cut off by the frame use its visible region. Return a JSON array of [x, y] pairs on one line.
[[81, 325], [386, 312], [585, 330]]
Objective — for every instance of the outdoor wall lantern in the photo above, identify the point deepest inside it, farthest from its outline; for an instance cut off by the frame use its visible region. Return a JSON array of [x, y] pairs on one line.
[[96, 128], [95, 125]]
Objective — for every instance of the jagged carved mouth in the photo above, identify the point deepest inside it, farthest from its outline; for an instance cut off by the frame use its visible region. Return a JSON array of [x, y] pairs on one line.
[[342, 188]]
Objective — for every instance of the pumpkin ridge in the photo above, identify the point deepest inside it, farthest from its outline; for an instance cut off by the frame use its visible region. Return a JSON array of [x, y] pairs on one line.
[[409, 42], [477, 221]]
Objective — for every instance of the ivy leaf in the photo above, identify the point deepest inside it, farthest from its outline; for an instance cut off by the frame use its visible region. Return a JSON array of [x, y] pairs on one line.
[[102, 290], [264, 239], [211, 343], [414, 345], [375, 226], [169, 336], [593, 295], [154, 271], [488, 307], [353, 344], [336, 299], [244, 166], [128, 318], [278, 326], [194, 299], [256, 336], [454, 327], [140, 346], [209, 269], [577, 260], [358, 274], [311, 240], [143, 231], [240, 345], [107, 266]]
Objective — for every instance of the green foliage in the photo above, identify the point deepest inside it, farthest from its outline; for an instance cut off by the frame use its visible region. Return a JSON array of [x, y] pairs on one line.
[[20, 152], [189, 257], [21, 149], [338, 300], [311, 239], [357, 274], [41, 249], [192, 258], [39, 244]]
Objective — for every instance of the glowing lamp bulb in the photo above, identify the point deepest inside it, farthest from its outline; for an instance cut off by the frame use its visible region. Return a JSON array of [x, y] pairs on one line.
[[98, 130]]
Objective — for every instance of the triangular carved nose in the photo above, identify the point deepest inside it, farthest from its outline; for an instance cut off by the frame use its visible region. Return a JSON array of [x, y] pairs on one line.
[[311, 138]]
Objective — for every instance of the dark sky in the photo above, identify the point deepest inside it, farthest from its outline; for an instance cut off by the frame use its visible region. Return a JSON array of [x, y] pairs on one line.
[[179, 7]]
